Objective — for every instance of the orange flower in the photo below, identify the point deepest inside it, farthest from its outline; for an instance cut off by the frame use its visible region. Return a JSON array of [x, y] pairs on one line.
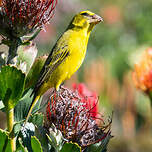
[[142, 75]]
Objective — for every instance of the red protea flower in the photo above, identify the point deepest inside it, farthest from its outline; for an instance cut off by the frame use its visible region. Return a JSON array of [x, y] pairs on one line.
[[142, 75], [88, 97], [19, 17], [67, 111]]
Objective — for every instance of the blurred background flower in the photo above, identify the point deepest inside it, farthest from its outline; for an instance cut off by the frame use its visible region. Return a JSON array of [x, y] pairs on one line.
[[142, 74]]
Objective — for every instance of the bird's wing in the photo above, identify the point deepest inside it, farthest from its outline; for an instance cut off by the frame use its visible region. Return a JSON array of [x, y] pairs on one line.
[[55, 58]]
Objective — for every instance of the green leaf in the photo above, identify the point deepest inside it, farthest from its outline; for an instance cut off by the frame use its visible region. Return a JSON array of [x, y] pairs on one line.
[[12, 84], [40, 133], [37, 119], [34, 72], [4, 141], [71, 147], [20, 147], [101, 146], [36, 146], [55, 138], [22, 108], [16, 128]]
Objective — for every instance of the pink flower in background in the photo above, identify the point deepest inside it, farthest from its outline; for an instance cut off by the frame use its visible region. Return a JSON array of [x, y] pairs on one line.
[[112, 14], [87, 97]]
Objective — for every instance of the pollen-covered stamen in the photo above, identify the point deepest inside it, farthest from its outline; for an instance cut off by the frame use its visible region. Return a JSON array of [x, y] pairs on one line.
[[51, 12], [46, 8]]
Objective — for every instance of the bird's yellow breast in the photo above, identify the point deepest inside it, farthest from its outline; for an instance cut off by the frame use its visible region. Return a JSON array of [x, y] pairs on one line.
[[77, 46]]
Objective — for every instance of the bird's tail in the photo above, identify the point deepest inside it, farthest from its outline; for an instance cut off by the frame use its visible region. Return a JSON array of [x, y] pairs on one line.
[[34, 101]]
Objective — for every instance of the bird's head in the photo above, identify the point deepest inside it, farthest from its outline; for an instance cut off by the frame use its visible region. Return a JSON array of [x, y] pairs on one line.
[[86, 19]]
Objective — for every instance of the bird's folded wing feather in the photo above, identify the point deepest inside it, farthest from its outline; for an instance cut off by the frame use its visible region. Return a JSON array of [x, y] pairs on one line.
[[55, 58]]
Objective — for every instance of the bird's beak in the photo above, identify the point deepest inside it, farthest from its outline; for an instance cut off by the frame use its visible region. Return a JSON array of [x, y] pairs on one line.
[[95, 19]]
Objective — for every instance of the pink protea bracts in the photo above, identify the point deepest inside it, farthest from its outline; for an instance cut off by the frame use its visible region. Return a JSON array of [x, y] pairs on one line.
[[20, 17], [87, 97], [68, 112]]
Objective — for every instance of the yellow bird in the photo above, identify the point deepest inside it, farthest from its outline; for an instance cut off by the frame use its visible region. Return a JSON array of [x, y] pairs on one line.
[[66, 56]]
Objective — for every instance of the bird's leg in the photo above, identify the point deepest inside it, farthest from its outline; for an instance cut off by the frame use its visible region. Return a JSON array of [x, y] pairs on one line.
[[61, 86], [57, 93]]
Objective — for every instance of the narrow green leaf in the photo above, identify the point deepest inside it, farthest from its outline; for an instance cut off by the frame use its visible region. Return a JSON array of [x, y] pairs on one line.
[[40, 133], [20, 147], [37, 119], [17, 128], [36, 146], [12, 84], [4, 141], [71, 147]]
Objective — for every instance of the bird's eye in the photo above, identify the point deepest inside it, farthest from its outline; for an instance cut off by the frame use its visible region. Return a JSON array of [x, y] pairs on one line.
[[85, 14]]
